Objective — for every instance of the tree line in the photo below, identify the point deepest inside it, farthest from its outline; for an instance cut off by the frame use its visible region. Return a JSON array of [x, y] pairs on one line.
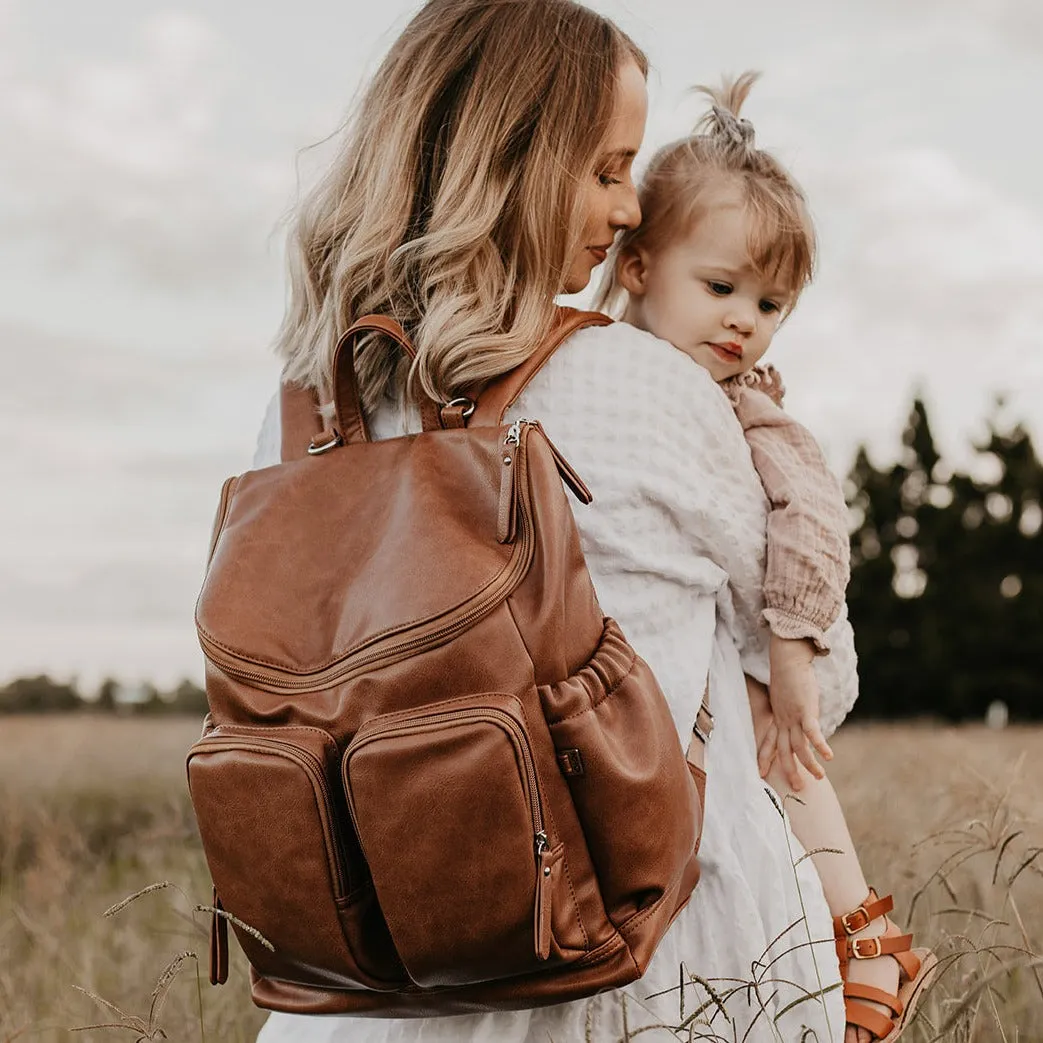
[[42, 694], [946, 593]]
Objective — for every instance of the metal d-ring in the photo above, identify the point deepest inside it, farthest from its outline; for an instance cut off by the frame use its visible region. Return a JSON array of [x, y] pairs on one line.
[[461, 402], [318, 450]]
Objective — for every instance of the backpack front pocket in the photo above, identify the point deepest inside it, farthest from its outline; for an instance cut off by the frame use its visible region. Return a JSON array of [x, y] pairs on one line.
[[447, 805], [282, 860]]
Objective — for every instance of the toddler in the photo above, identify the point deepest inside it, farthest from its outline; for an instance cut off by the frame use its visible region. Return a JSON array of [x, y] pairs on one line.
[[725, 248]]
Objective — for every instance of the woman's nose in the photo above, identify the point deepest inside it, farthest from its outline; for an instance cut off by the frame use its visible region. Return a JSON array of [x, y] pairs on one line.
[[626, 213]]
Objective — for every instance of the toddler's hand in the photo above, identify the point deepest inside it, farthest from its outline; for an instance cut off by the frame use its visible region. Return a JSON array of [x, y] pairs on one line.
[[771, 383], [794, 695], [766, 379]]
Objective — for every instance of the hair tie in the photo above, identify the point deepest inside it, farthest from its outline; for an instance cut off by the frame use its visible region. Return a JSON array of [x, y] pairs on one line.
[[739, 132]]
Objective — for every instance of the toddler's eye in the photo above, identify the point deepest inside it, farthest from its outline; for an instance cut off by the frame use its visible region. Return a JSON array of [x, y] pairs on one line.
[[769, 307], [722, 289]]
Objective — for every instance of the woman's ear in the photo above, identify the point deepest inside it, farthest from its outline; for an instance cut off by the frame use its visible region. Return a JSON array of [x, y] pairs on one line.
[[632, 270]]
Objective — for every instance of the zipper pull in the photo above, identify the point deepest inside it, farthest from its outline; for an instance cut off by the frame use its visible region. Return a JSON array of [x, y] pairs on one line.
[[541, 924], [568, 474], [507, 515]]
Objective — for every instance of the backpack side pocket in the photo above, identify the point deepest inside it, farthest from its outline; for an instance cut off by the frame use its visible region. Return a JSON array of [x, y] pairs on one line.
[[635, 797]]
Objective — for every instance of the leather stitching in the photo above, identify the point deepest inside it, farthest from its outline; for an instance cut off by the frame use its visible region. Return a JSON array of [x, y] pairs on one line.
[[270, 730], [639, 917]]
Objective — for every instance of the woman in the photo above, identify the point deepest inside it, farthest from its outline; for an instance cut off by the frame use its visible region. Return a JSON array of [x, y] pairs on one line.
[[474, 187]]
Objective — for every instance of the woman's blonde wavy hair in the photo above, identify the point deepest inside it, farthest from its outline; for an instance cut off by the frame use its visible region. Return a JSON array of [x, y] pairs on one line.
[[721, 151], [453, 205]]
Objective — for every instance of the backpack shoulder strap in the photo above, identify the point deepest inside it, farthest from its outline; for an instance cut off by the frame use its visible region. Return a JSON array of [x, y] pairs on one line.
[[500, 394]]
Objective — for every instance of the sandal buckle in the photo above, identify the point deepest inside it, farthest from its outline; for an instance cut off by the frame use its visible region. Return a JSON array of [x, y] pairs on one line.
[[860, 953], [703, 727], [852, 925]]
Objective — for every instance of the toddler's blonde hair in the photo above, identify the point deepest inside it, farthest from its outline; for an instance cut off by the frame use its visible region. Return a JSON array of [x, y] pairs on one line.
[[721, 151]]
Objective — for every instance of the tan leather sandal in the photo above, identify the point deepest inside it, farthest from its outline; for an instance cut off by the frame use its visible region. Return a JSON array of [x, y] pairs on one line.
[[916, 968]]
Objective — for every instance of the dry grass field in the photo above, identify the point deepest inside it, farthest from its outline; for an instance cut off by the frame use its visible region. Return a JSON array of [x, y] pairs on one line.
[[93, 810]]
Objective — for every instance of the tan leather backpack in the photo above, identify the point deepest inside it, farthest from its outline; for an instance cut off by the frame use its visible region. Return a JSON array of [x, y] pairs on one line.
[[435, 779]]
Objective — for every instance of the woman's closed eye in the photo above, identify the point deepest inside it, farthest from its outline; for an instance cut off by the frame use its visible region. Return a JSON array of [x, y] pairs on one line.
[[608, 179]]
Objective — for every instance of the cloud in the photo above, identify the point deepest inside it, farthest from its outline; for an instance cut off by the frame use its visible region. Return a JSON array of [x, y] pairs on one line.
[[929, 278], [1015, 22], [107, 503], [125, 163]]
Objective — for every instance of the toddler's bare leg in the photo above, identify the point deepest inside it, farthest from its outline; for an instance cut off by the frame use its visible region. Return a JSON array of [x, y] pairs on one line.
[[818, 821]]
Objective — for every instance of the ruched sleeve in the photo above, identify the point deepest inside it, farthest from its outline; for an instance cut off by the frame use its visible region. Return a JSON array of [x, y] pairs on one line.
[[808, 553]]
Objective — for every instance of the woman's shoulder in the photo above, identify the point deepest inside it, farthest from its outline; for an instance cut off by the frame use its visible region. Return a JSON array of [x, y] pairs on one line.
[[622, 349], [623, 371]]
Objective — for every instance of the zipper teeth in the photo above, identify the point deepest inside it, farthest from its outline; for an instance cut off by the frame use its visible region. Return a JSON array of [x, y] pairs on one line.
[[477, 713], [313, 767], [340, 671]]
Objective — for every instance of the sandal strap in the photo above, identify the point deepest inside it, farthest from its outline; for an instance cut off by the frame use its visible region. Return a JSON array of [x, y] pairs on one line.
[[871, 948], [910, 964], [859, 991], [860, 918], [865, 1017]]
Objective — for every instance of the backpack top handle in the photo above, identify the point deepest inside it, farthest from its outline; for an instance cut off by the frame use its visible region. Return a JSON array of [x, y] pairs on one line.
[[346, 399], [301, 435]]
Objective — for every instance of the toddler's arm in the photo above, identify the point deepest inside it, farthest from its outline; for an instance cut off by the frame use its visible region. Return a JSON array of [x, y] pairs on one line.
[[808, 566]]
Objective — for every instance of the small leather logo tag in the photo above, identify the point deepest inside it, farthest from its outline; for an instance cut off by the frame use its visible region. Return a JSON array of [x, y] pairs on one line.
[[571, 762]]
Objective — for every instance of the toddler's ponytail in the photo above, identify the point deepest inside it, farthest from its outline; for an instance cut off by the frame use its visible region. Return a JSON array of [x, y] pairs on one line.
[[722, 124]]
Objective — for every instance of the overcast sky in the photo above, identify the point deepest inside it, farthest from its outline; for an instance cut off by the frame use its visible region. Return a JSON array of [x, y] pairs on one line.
[[148, 152]]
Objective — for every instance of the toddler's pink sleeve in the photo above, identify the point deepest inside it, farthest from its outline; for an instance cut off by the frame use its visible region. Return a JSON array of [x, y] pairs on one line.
[[808, 552]]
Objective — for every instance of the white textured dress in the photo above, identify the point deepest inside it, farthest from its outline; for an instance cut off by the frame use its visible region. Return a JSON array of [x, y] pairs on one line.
[[675, 544]]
